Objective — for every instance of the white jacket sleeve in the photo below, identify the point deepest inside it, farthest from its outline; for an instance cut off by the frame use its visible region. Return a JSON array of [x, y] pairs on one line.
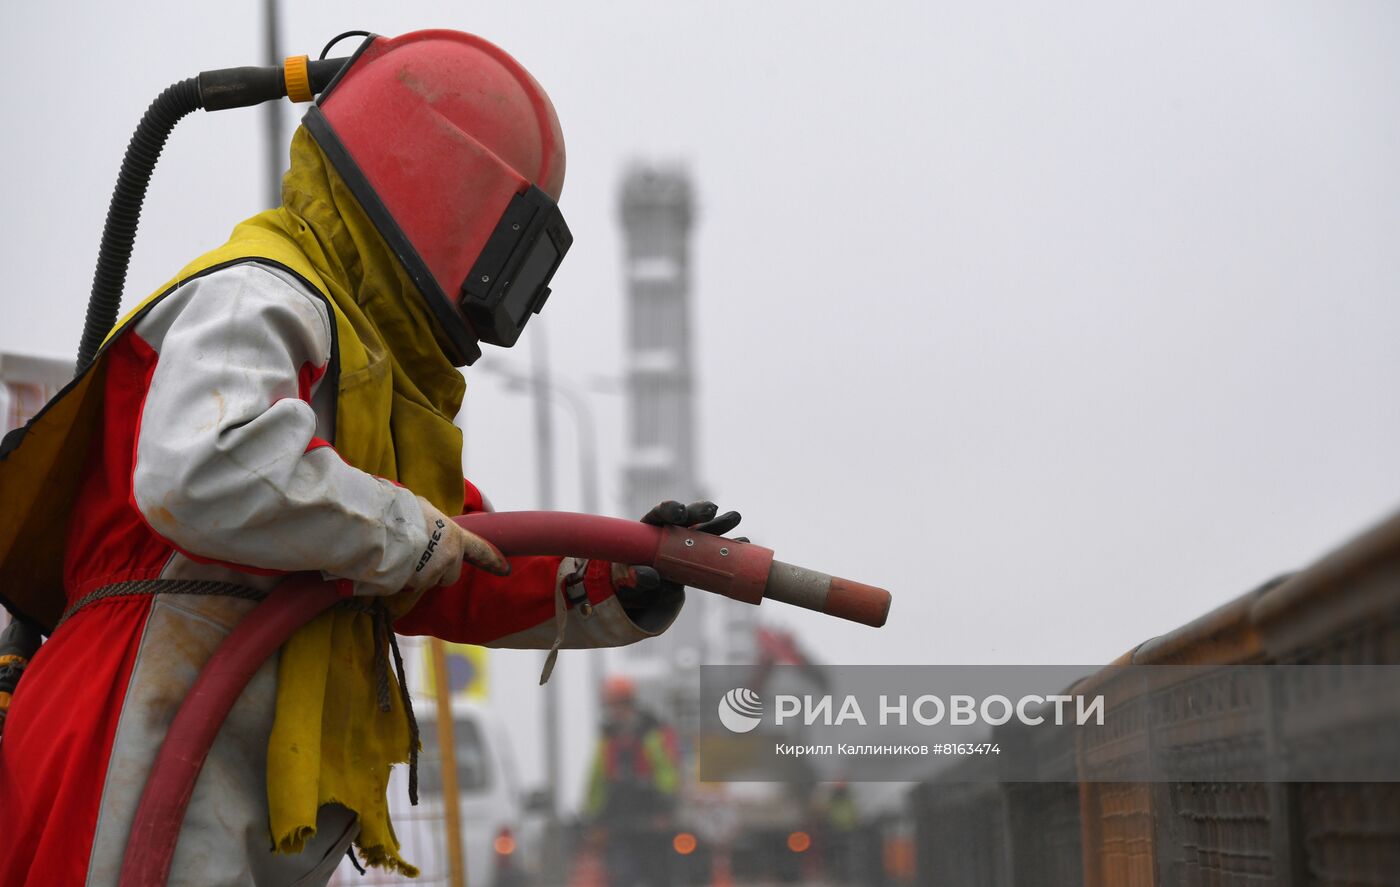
[[228, 467]]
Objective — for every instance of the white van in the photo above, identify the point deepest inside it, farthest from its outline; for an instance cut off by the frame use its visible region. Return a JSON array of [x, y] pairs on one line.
[[496, 834]]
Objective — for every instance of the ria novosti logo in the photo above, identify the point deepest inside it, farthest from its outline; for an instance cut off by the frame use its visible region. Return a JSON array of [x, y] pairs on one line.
[[740, 710]]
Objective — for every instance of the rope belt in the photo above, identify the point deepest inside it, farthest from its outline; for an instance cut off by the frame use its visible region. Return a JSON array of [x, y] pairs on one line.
[[160, 586], [372, 607]]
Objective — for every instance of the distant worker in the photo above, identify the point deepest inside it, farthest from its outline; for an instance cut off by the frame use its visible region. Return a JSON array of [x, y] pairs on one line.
[[839, 824], [632, 789]]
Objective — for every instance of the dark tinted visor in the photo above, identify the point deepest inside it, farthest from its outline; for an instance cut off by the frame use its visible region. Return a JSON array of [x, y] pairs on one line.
[[510, 279], [533, 277]]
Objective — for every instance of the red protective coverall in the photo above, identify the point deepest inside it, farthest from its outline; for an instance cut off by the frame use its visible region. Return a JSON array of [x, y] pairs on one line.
[[91, 710]]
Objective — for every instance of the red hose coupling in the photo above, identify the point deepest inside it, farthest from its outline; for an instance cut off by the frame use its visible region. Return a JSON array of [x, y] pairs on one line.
[[737, 570]]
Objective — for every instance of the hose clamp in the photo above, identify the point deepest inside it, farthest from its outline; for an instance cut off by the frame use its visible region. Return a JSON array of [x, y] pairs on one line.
[[575, 592]]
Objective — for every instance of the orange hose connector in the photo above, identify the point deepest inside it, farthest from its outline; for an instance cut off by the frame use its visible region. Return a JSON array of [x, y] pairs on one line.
[[297, 80]]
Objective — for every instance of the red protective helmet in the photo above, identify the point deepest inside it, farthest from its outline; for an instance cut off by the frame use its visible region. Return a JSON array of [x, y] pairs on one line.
[[619, 688], [454, 152]]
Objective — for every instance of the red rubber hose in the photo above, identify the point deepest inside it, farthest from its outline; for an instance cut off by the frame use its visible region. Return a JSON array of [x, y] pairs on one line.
[[739, 570], [156, 827], [519, 533]]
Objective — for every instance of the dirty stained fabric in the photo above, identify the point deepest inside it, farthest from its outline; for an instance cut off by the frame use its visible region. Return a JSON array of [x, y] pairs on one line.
[[315, 404], [395, 394], [210, 432]]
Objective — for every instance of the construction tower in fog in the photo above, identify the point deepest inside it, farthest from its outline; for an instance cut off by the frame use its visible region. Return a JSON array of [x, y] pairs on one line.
[[657, 211], [657, 214]]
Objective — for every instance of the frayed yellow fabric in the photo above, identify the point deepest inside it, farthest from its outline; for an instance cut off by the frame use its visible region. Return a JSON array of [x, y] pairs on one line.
[[343, 756], [397, 395]]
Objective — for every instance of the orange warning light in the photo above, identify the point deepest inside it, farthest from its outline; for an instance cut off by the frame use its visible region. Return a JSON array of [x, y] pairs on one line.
[[684, 843]]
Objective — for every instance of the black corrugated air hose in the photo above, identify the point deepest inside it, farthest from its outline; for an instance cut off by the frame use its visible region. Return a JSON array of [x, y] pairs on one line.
[[124, 213], [213, 91]]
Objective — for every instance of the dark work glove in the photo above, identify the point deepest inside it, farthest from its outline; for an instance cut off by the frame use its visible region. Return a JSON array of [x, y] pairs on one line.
[[641, 586]]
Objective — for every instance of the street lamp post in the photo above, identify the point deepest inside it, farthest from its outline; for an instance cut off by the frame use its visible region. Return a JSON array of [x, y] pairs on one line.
[[578, 407], [543, 389], [273, 111], [540, 386], [576, 402]]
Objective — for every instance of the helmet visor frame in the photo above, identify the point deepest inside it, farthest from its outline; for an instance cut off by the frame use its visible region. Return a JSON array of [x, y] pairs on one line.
[[510, 280]]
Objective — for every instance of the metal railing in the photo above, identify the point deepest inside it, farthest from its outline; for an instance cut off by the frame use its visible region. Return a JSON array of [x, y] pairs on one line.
[[972, 828]]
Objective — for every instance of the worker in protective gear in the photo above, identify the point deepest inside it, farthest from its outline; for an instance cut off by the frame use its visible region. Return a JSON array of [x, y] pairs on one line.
[[840, 820], [632, 788], [286, 404]]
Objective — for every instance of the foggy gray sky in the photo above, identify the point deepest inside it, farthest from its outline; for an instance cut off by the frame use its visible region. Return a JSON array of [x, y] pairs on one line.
[[1066, 323]]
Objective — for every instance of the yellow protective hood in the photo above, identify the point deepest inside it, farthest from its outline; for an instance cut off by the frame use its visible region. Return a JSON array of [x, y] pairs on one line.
[[397, 396]]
